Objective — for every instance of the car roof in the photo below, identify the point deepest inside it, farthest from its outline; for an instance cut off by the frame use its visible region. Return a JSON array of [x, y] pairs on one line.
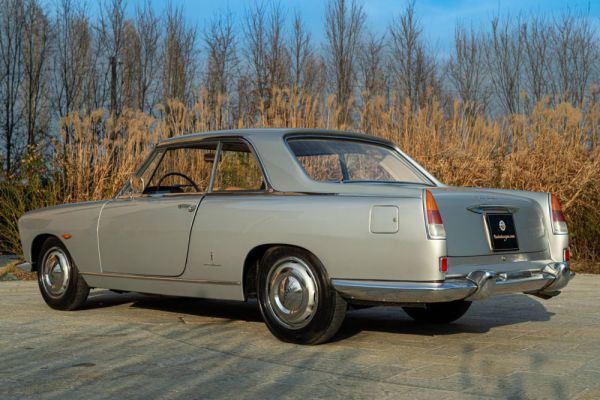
[[281, 168], [270, 133]]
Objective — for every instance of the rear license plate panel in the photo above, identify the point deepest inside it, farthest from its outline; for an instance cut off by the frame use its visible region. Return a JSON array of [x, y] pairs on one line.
[[502, 232]]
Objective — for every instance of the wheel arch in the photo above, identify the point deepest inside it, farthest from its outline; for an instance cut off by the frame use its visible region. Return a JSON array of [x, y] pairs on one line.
[[252, 261], [36, 247]]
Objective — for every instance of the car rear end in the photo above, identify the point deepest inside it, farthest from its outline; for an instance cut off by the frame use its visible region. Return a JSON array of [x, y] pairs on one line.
[[496, 241], [503, 241]]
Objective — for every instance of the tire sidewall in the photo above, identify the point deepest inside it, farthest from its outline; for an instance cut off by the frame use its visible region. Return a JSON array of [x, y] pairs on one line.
[[65, 301], [326, 298]]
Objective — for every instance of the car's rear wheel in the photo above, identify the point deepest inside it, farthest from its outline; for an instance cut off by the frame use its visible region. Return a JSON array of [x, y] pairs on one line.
[[60, 283], [296, 299], [439, 313]]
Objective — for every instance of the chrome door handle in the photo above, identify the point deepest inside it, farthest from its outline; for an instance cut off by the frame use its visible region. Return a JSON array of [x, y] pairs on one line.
[[189, 207]]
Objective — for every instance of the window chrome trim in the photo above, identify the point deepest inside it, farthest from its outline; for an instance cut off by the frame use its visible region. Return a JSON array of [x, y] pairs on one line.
[[213, 171]]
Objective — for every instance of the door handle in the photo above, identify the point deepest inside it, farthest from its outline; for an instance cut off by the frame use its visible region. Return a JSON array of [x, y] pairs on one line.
[[189, 207]]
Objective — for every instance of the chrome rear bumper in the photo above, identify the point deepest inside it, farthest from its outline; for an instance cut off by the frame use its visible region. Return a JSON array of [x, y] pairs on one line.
[[476, 285]]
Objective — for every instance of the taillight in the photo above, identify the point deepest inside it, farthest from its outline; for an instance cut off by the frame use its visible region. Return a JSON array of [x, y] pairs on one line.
[[435, 225], [567, 255], [559, 225], [443, 264]]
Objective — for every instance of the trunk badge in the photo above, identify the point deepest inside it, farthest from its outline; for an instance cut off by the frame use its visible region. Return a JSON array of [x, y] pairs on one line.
[[502, 225]]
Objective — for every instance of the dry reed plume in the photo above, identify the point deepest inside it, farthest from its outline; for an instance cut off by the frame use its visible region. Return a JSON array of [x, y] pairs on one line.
[[553, 149]]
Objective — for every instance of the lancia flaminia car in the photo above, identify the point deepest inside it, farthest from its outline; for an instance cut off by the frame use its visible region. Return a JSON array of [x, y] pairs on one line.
[[308, 222]]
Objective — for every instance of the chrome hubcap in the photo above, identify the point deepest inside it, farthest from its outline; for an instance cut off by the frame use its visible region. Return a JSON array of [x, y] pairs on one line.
[[56, 271], [292, 293]]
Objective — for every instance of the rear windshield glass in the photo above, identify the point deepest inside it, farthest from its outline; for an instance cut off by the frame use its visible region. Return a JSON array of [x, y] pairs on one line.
[[347, 161]]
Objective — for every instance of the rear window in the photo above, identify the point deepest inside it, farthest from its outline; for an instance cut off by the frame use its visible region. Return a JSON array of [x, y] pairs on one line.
[[347, 161]]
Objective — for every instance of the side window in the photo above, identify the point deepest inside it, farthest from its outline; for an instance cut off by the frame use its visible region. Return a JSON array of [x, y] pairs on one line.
[[238, 169], [183, 170]]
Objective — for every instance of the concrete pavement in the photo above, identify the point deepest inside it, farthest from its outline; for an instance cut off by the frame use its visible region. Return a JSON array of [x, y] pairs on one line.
[[135, 346]]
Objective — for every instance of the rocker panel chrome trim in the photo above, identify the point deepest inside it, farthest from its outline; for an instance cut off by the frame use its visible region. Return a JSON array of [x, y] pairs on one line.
[[159, 278]]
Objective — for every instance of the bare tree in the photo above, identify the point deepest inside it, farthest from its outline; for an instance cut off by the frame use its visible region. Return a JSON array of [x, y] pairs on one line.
[[504, 54], [277, 56], [372, 67], [300, 51], [148, 30], [576, 51], [315, 74], [12, 22], [179, 56], [131, 62], [35, 54], [265, 50], [344, 24], [219, 41], [413, 68], [111, 37], [255, 51], [537, 35], [466, 70], [71, 58]]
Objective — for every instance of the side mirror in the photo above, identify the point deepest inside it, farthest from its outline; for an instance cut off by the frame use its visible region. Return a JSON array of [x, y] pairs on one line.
[[136, 185]]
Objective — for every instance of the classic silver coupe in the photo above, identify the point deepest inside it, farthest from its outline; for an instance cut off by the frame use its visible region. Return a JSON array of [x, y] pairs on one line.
[[308, 222]]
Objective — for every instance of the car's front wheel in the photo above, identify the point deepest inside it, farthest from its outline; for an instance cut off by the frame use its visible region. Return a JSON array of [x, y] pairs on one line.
[[60, 283], [439, 313], [296, 299]]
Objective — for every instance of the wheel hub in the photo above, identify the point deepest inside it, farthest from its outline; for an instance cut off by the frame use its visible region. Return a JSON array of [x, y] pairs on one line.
[[292, 293], [55, 272]]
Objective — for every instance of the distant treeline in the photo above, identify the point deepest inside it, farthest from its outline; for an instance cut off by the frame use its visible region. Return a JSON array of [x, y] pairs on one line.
[[56, 58]]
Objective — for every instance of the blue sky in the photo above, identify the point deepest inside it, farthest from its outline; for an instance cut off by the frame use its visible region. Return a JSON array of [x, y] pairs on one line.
[[438, 17]]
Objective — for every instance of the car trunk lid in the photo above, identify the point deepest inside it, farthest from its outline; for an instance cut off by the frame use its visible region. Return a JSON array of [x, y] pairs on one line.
[[479, 222]]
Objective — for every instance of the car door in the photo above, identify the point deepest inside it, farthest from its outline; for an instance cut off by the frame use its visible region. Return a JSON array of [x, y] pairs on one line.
[[219, 239], [148, 233]]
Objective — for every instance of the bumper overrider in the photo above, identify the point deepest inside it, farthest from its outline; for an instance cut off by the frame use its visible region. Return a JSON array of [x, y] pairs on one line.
[[477, 285]]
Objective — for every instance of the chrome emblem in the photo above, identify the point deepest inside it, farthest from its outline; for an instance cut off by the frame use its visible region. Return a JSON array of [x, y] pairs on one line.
[[502, 225]]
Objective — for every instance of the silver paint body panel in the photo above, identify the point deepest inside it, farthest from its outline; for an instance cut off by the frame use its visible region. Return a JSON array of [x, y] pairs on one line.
[[153, 245]]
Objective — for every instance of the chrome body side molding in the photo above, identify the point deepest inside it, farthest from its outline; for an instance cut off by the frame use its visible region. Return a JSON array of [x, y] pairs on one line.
[[158, 278]]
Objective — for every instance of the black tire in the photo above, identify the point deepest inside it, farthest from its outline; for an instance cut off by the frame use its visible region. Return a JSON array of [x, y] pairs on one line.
[[329, 308], [75, 291], [439, 313]]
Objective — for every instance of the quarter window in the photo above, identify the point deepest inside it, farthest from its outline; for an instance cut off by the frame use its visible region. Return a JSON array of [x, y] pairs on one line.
[[238, 169], [348, 161]]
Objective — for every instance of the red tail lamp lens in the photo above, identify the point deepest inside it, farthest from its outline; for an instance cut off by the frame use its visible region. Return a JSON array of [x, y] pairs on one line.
[[567, 254], [443, 264]]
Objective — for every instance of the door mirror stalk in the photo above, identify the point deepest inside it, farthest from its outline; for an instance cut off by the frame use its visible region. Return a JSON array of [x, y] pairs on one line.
[[136, 186]]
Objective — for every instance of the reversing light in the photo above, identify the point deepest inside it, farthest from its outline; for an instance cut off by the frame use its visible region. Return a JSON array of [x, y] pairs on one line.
[[559, 225], [435, 225], [443, 264]]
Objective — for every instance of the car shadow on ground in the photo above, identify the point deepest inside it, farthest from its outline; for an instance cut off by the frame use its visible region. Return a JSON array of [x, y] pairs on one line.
[[483, 315]]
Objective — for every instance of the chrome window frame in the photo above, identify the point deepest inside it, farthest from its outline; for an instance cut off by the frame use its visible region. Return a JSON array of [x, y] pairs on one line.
[[161, 149]]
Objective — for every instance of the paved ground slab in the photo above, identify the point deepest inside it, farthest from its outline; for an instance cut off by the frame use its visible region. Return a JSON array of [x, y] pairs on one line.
[[134, 346]]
